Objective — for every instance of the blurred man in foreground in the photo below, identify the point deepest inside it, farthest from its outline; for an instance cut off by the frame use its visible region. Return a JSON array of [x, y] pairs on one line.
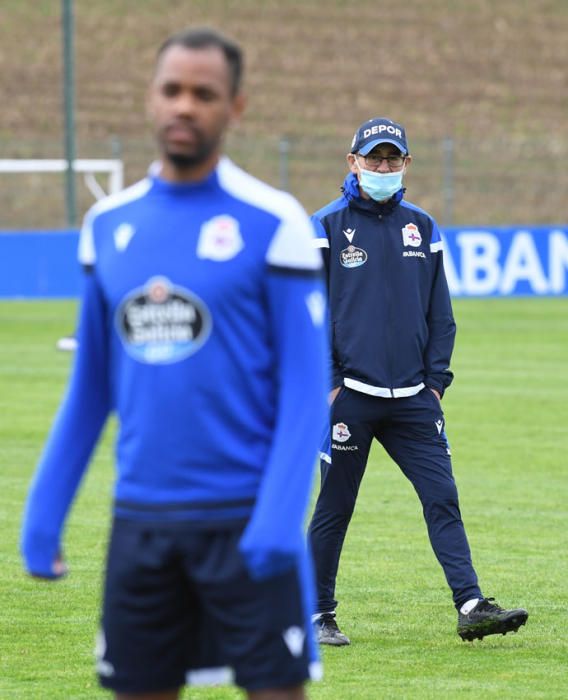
[[202, 326]]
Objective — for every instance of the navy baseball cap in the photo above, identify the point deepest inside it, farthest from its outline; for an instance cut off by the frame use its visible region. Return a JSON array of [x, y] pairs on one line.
[[379, 130]]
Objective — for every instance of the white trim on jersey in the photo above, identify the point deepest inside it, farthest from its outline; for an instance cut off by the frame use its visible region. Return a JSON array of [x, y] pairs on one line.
[[87, 254], [291, 245], [321, 243], [436, 247]]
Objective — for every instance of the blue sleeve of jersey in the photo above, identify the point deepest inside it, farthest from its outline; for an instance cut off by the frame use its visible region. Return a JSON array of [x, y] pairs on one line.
[[73, 436], [441, 327], [274, 539]]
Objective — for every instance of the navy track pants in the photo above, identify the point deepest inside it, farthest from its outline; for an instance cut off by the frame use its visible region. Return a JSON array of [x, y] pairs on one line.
[[411, 430]]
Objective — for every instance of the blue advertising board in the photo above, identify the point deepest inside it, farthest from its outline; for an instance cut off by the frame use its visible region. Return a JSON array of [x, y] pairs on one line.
[[39, 264], [479, 262], [511, 261]]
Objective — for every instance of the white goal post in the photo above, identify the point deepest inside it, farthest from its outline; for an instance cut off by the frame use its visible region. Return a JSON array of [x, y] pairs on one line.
[[113, 168]]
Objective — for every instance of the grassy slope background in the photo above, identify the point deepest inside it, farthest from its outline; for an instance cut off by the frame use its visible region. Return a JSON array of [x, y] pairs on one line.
[[506, 418], [489, 75]]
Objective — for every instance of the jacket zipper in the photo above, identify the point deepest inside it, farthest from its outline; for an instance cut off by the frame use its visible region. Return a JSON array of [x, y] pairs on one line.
[[388, 298]]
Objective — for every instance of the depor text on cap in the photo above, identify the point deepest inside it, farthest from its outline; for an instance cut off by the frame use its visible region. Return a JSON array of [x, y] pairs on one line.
[[379, 130]]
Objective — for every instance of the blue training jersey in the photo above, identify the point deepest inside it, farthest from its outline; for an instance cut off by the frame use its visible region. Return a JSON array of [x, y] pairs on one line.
[[202, 325]]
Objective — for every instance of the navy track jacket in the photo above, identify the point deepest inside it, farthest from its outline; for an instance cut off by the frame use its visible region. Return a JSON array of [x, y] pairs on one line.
[[392, 326]]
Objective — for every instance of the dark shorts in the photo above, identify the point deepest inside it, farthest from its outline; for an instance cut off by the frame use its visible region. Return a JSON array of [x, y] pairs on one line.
[[179, 607]]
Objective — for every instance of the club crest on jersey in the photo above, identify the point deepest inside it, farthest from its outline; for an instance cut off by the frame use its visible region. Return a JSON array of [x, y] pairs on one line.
[[340, 432], [352, 256], [411, 235], [160, 323], [220, 239]]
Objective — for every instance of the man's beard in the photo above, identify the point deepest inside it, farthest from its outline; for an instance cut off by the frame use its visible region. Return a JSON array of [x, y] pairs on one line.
[[185, 161]]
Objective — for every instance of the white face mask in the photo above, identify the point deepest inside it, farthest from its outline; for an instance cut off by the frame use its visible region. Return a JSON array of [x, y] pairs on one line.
[[380, 186]]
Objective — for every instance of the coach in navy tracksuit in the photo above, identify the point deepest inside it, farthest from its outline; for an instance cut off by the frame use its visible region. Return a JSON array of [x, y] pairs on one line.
[[392, 333]]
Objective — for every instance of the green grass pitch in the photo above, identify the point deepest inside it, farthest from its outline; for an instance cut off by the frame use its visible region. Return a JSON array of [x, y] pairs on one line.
[[507, 423]]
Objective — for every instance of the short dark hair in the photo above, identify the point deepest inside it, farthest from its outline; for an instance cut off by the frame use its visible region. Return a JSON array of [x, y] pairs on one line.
[[203, 38]]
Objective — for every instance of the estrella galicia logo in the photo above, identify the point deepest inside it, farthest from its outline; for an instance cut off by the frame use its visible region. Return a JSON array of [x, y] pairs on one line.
[[160, 323], [352, 256]]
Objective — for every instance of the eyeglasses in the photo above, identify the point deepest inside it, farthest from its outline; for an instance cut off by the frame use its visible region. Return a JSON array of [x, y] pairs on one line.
[[374, 160]]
